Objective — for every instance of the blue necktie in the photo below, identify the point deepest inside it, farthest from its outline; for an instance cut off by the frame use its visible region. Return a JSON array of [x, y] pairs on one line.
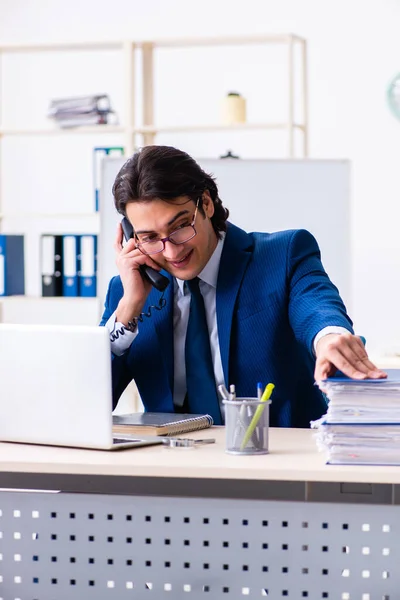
[[200, 379]]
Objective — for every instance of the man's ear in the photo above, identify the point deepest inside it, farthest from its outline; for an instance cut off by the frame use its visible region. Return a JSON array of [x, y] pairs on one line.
[[208, 204]]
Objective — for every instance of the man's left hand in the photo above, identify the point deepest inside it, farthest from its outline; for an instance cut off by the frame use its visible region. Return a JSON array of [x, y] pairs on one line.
[[345, 352]]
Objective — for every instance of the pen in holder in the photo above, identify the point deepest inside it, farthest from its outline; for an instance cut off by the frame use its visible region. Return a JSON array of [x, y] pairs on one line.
[[246, 429]]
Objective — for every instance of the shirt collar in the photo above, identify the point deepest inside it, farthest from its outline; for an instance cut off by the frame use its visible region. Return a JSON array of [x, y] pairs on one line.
[[210, 272]]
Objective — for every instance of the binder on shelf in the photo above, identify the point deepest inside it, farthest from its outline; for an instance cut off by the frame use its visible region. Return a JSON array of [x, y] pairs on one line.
[[96, 103], [87, 266], [99, 153], [12, 269], [87, 120], [82, 111], [51, 262], [70, 265]]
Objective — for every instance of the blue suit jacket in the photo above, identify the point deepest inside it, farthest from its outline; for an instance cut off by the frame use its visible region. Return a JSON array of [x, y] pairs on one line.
[[273, 297]]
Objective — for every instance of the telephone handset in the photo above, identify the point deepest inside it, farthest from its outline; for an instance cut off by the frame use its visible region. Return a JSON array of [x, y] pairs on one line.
[[159, 281]]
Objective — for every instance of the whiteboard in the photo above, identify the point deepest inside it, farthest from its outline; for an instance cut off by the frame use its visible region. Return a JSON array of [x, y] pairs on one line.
[[263, 195]]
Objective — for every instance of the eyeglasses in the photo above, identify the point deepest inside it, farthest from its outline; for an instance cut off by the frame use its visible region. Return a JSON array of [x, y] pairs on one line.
[[179, 236]]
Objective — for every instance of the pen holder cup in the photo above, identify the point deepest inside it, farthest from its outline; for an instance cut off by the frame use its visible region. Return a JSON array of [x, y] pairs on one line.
[[246, 425]]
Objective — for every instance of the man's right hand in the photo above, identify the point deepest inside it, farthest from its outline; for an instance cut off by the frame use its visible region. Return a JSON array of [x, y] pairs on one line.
[[136, 288]]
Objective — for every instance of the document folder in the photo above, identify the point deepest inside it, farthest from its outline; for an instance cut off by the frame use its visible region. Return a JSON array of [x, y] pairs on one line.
[[99, 154], [12, 270], [70, 265], [51, 260], [88, 266]]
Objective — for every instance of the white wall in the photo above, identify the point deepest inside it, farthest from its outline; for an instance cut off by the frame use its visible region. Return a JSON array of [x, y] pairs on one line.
[[354, 50]]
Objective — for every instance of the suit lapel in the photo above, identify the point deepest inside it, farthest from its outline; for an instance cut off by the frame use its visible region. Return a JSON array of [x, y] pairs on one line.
[[235, 256]]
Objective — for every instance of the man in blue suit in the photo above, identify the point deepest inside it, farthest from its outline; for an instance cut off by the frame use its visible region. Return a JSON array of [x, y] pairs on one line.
[[270, 311]]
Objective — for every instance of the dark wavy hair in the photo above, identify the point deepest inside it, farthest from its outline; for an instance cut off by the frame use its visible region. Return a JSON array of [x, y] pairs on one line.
[[164, 173]]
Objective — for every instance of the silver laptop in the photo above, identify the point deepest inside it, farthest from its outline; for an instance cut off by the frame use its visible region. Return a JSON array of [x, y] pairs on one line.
[[55, 387]]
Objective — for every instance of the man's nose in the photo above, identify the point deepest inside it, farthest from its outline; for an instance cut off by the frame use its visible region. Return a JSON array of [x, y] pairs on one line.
[[172, 251]]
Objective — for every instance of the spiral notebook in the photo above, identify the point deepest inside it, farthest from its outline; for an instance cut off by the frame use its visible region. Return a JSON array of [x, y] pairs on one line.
[[151, 423]]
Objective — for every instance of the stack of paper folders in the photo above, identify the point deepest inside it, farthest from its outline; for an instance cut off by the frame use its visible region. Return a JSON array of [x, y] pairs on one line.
[[82, 111], [362, 423]]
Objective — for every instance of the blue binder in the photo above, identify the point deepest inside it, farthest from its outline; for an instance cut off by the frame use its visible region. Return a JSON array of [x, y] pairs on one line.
[[12, 266], [87, 266], [70, 265], [99, 154]]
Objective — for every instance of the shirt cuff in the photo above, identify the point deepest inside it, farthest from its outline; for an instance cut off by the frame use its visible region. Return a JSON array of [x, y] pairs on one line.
[[327, 331], [120, 337]]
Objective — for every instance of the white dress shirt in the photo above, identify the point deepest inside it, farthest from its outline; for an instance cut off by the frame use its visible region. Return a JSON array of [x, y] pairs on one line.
[[208, 287]]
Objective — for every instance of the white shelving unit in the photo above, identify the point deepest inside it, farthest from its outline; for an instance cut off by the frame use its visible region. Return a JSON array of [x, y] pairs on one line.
[[32, 221], [149, 130], [127, 48]]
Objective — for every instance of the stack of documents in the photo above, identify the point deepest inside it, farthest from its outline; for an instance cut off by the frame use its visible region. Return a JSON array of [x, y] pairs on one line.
[[362, 423], [82, 111]]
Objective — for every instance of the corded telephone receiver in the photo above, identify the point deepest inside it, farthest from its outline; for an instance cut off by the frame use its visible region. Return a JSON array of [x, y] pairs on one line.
[[159, 281]]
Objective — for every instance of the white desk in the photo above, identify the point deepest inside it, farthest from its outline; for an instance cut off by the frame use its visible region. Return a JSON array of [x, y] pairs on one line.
[[196, 523]]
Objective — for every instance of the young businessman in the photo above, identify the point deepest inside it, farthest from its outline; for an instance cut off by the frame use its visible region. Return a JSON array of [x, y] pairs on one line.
[[271, 312]]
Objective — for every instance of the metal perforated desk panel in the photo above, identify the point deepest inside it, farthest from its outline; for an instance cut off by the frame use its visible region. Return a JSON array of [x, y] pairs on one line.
[[190, 524]]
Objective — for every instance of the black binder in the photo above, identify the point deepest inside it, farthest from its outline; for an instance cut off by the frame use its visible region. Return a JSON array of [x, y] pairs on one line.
[[51, 260]]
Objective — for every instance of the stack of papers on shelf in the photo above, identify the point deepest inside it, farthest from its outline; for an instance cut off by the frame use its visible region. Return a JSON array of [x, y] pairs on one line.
[[362, 423], [83, 110]]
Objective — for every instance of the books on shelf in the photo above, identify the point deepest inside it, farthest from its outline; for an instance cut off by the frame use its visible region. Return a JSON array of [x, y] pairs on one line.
[[12, 270], [150, 423], [82, 111], [362, 422], [69, 265]]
